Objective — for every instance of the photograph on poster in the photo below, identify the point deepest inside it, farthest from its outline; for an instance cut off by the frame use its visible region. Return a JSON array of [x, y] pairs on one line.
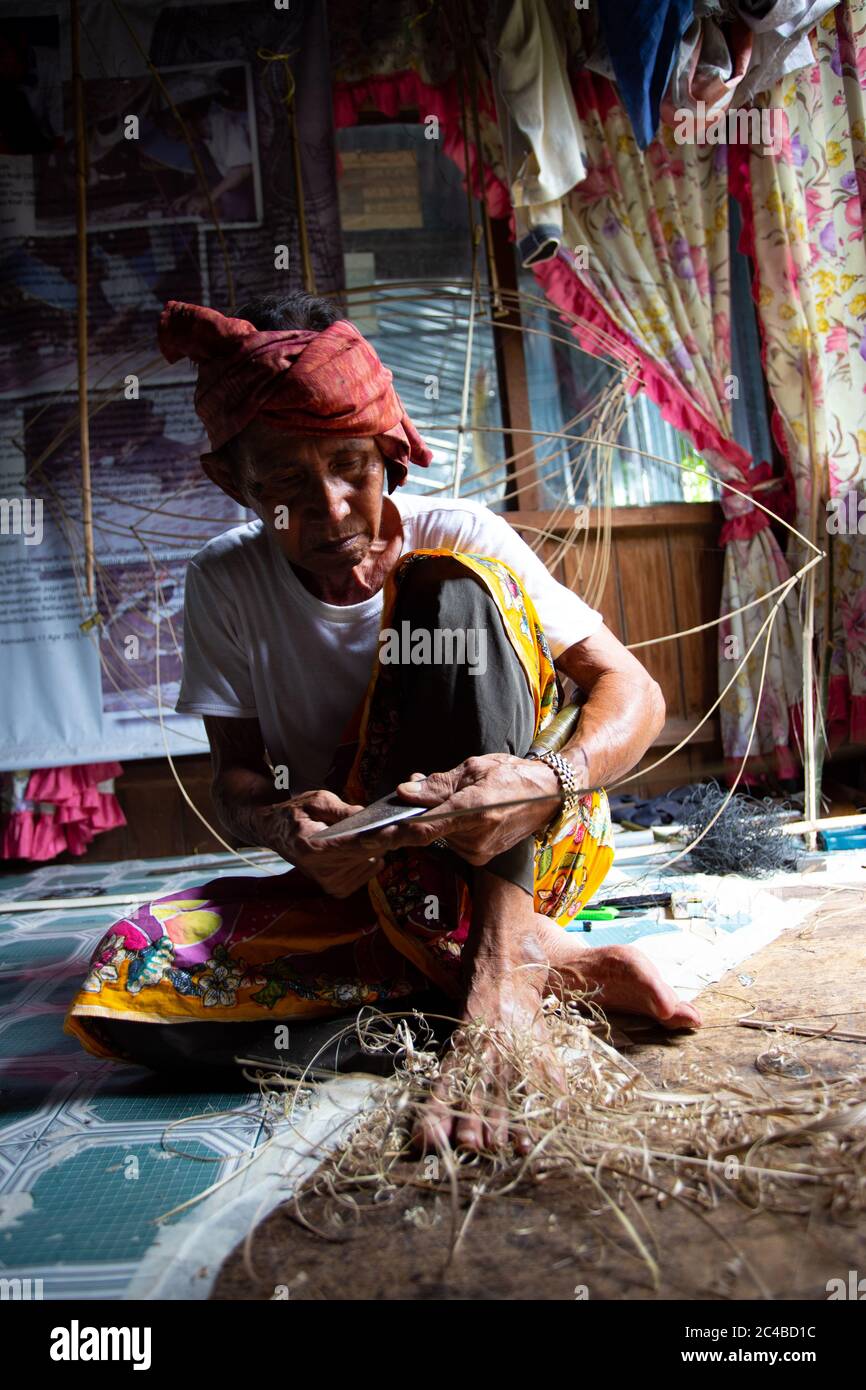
[[174, 151], [141, 604], [131, 272], [143, 536]]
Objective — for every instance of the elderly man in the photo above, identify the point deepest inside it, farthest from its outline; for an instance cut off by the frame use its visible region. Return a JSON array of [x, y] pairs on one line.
[[320, 648]]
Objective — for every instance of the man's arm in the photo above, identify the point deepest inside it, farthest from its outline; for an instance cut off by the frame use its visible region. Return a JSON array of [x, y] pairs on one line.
[[244, 794], [624, 711], [242, 784]]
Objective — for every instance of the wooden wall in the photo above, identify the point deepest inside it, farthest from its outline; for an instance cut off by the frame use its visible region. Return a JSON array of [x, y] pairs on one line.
[[159, 821], [665, 575]]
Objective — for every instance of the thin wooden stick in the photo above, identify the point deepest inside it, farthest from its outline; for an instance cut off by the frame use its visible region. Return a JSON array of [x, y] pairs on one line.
[[492, 274], [291, 116], [811, 781], [802, 1029], [805, 827]]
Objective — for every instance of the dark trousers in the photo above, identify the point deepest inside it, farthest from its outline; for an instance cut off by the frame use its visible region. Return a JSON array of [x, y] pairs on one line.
[[447, 713]]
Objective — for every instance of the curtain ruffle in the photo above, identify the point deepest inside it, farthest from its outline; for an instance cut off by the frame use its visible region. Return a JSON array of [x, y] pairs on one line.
[[61, 810], [564, 289]]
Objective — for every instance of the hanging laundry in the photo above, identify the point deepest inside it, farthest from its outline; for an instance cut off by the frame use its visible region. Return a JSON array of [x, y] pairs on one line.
[[533, 80], [711, 64], [642, 41], [781, 42]]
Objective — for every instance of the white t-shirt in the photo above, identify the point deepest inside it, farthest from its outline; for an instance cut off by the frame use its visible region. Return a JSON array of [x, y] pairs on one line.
[[257, 644]]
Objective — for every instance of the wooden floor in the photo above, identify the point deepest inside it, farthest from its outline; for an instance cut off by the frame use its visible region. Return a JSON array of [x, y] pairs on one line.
[[538, 1245]]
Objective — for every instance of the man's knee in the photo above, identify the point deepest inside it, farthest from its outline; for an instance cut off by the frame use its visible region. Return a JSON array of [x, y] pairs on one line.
[[440, 591], [437, 576]]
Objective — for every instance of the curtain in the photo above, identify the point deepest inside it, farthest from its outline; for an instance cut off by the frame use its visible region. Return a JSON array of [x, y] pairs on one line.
[[646, 257], [803, 213]]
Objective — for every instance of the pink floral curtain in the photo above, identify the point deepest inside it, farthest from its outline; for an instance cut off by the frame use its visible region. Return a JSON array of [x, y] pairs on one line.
[[655, 272], [803, 225]]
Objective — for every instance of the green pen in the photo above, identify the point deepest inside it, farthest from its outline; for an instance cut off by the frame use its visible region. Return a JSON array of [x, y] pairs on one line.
[[583, 920]]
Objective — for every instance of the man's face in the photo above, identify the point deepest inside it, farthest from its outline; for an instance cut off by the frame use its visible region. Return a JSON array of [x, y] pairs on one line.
[[319, 496]]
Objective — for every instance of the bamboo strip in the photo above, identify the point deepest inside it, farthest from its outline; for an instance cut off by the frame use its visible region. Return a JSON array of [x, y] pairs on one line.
[[802, 1029], [81, 291]]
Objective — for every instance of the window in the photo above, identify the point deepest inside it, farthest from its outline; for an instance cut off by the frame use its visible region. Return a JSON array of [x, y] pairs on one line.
[[565, 382], [405, 226]]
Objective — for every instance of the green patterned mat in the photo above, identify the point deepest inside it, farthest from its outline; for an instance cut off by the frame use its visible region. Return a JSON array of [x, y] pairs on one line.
[[83, 1171]]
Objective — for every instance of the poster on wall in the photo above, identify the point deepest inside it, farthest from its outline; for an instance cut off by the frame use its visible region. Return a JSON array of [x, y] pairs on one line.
[[157, 152], [131, 272], [190, 185], [117, 658]]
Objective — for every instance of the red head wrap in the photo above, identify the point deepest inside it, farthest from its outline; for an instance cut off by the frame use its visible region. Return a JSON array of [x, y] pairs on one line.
[[298, 380]]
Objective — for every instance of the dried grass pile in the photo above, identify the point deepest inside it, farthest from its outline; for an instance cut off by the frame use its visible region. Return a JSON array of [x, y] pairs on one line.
[[619, 1140]]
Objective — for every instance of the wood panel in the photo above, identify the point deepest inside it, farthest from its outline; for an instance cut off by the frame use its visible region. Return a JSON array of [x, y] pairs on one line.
[[665, 576], [159, 822], [647, 605], [696, 567]]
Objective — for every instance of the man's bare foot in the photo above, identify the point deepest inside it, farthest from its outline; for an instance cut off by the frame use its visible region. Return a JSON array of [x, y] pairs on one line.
[[621, 977], [506, 980], [513, 959]]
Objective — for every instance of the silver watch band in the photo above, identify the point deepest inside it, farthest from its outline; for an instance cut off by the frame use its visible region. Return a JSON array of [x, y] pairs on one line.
[[568, 779]]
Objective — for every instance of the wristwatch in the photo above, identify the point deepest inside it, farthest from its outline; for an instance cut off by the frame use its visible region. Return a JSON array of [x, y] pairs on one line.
[[568, 780]]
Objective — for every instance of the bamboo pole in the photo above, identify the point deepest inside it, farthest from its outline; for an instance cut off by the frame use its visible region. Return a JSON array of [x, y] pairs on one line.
[[268, 56], [812, 778], [803, 1030], [81, 278], [306, 258], [496, 305]]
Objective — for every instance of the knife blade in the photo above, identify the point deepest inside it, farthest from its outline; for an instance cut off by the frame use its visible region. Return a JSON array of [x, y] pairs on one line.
[[390, 810]]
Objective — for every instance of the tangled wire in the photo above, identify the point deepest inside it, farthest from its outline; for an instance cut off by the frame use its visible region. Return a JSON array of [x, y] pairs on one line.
[[747, 838]]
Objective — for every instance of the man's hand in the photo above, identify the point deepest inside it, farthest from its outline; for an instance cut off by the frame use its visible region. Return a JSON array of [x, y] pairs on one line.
[[339, 869], [244, 795], [480, 781]]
